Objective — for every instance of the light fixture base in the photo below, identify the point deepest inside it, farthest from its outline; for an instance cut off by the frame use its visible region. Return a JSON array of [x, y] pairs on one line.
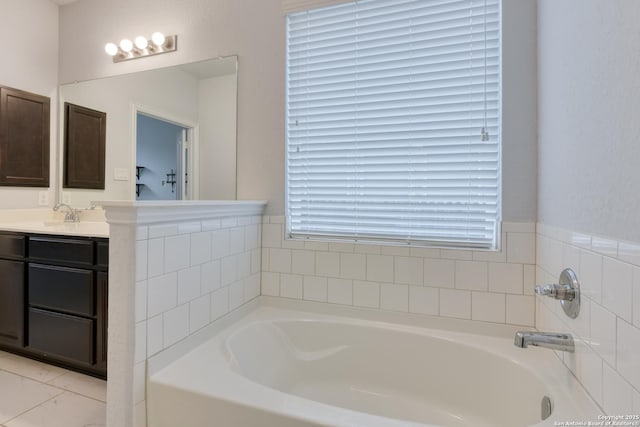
[[170, 45]]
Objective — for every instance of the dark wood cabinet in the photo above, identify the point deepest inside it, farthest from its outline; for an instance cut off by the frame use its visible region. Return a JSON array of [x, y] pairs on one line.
[[84, 147], [53, 299], [24, 138]]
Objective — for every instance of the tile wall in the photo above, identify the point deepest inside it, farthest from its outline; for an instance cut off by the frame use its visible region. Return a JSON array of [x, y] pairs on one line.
[[189, 274], [607, 330], [478, 285]]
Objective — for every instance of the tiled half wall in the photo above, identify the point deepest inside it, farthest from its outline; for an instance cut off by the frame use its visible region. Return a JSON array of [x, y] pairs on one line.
[[478, 285]]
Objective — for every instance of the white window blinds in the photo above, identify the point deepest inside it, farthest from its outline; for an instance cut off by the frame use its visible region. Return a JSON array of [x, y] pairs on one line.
[[393, 122]]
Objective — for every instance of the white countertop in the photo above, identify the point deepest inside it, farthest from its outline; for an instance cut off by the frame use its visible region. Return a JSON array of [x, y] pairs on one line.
[[83, 228]]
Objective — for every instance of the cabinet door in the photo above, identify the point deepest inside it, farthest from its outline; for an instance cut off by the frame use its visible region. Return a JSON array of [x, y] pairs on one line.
[[102, 321], [12, 303], [24, 138]]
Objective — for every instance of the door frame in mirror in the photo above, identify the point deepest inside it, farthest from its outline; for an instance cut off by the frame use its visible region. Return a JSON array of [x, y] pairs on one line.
[[192, 165]]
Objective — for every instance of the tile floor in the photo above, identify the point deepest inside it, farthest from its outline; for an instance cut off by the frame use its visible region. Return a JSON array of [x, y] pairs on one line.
[[34, 394]]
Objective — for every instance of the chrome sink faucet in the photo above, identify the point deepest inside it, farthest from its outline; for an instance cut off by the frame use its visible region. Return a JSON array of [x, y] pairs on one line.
[[72, 215], [552, 340]]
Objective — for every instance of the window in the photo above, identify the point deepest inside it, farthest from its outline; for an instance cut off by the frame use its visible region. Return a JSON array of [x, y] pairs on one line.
[[393, 122]]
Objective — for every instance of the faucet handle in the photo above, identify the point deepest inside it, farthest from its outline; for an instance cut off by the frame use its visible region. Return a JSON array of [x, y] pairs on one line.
[[548, 290], [567, 291]]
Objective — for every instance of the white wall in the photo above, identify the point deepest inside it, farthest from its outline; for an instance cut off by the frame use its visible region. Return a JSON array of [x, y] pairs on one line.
[[255, 31], [30, 62], [217, 109], [589, 110]]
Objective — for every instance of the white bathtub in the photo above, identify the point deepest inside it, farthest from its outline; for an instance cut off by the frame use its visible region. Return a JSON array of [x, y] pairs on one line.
[[279, 367]]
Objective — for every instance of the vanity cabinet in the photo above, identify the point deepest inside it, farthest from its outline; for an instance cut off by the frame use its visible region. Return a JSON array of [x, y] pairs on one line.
[[54, 303]]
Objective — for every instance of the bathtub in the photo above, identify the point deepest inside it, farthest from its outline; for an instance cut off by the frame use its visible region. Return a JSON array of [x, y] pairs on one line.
[[281, 367]]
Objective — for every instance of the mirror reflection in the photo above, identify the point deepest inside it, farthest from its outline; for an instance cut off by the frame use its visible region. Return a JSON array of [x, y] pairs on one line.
[[170, 133]]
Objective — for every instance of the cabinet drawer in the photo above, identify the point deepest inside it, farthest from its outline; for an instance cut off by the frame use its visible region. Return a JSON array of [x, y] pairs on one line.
[[12, 245], [76, 251], [62, 288], [103, 254], [61, 335]]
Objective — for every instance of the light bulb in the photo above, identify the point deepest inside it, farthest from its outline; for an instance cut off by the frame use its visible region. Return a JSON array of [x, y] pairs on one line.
[[157, 38], [141, 42], [111, 49], [126, 45]]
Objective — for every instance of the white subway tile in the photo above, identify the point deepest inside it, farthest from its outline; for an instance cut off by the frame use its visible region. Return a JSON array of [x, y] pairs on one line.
[[604, 246], [162, 230], [549, 254], [618, 394], [236, 240], [270, 284], [353, 266], [255, 261], [140, 414], [264, 261], [280, 260], [272, 235], [519, 227], [219, 244], [188, 284], [529, 279], [471, 275], [425, 252], [492, 255], [200, 248], [408, 270], [341, 247], [316, 246], [141, 301], [366, 294], [314, 288], [162, 293], [603, 333], [591, 275], [141, 260], [455, 303], [210, 224], [340, 291], [251, 236], [394, 297], [176, 324], [395, 250], [456, 254], [199, 312], [276, 219], [155, 255], [571, 258], [636, 402], [581, 325], [291, 286], [142, 232], [228, 222], [290, 243], [236, 294], [303, 262], [155, 335], [140, 348], [589, 370], [617, 282], [251, 287], [363, 248], [506, 278], [520, 310], [488, 307], [219, 303], [628, 352], [380, 268], [176, 253], [139, 381], [440, 273], [189, 227], [629, 252], [327, 264], [244, 220], [244, 265], [424, 300], [210, 277], [228, 270], [521, 248], [636, 297]]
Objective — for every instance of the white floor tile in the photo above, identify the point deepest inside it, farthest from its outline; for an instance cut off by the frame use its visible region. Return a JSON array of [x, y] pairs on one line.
[[19, 394], [66, 410], [82, 384], [30, 368]]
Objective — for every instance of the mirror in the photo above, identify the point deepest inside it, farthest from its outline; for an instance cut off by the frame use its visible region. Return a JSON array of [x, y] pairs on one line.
[[198, 98]]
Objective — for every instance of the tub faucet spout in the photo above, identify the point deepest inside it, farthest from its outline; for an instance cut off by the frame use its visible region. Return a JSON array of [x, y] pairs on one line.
[[552, 340]]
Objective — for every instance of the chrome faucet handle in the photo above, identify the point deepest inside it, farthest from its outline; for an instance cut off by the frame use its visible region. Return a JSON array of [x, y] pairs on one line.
[[561, 292], [547, 290], [567, 291]]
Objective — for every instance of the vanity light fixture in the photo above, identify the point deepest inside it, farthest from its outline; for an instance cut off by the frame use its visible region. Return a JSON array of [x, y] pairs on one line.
[[141, 47]]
